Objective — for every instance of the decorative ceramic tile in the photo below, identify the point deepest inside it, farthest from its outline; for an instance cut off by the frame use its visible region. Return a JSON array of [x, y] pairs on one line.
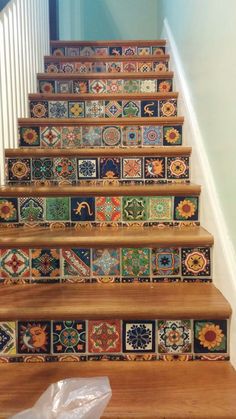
[[52, 67], [65, 168], [160, 208], [97, 86], [132, 136], [71, 137], [73, 51], [165, 261], [139, 336], [7, 338], [101, 51], [135, 208], [95, 109], [174, 336], [152, 135], [129, 50], [108, 209], [113, 67], [131, 86], [113, 109], [31, 209], [19, 169], [210, 336], [168, 107], [109, 167], [148, 86], [51, 137], [83, 209], [8, 210], [87, 51], [57, 209], [67, 67], [76, 262], [132, 168], [144, 51], [58, 109], [130, 67], [154, 167], [42, 169], [111, 136], [34, 337], [91, 136], [131, 109], [158, 50], [64, 86], [196, 262], [39, 109], [104, 336], [76, 109], [114, 86], [164, 86], [144, 67], [87, 168], [160, 66], [149, 108], [106, 261], [178, 167], [83, 67], [45, 263], [172, 135], [14, 263], [99, 67], [115, 50], [58, 52], [185, 208], [29, 137], [135, 262], [69, 336], [80, 86]]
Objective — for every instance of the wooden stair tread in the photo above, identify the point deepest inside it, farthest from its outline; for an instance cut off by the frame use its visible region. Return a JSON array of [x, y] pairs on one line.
[[112, 58], [106, 237], [176, 189], [99, 76], [105, 96], [97, 43], [148, 390], [113, 301]]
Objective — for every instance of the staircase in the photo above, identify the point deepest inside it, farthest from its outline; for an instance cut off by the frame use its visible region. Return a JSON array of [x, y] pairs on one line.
[[102, 255]]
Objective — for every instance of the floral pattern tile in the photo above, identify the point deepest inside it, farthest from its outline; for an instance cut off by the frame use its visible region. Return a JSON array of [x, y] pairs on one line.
[[114, 86], [135, 208], [95, 109], [58, 109], [104, 336], [76, 109], [148, 86], [39, 109], [196, 261], [45, 263], [131, 86], [160, 208], [210, 336], [174, 336], [113, 109], [19, 169], [168, 107], [87, 168], [172, 135], [108, 209], [71, 137], [69, 336], [97, 86], [186, 208], [106, 262], [132, 168], [132, 136], [91, 136], [139, 336], [29, 137], [111, 136], [135, 262], [152, 136], [42, 169], [65, 168], [165, 261], [8, 210], [14, 263], [51, 137]]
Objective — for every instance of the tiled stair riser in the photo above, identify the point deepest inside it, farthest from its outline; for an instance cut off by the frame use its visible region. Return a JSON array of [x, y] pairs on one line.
[[84, 340], [108, 86], [100, 136], [103, 265], [59, 170], [110, 50], [103, 108], [95, 211]]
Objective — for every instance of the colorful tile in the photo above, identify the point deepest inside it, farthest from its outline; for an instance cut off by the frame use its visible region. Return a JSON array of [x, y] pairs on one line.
[[111, 136], [168, 107], [135, 208], [129, 50], [76, 109], [57, 209], [108, 209], [97, 86], [114, 86], [65, 168], [45, 263], [104, 336], [101, 51], [113, 67], [148, 86], [149, 108], [164, 86], [69, 336], [29, 137], [76, 262], [42, 169], [145, 67], [58, 51], [71, 137], [98, 67], [178, 167], [19, 169], [113, 109], [52, 67], [154, 167], [64, 86], [87, 51], [31, 209], [196, 262], [174, 336], [160, 66], [210, 336], [131, 109], [158, 50], [51, 137], [8, 210], [165, 261], [80, 86], [83, 67], [39, 109], [106, 262], [132, 136], [131, 86], [130, 67], [7, 338], [14, 263], [135, 262], [172, 135], [91, 136], [83, 209], [139, 336], [109, 167], [58, 109], [186, 208], [68, 67], [115, 50], [34, 337], [152, 135], [73, 51], [132, 168], [87, 168], [95, 109], [160, 208], [144, 51]]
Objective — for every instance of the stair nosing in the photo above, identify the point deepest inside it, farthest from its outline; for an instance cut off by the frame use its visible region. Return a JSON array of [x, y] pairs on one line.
[[122, 75], [99, 58]]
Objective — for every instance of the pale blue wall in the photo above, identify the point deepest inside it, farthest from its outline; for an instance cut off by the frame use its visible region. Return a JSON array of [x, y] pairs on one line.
[[109, 19]]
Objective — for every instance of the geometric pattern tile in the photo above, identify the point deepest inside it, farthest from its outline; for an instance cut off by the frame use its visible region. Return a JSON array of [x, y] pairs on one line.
[[106, 261], [76, 262], [135, 262], [14, 263], [165, 261], [139, 336], [104, 336], [69, 336], [174, 336], [45, 263], [7, 338], [196, 261]]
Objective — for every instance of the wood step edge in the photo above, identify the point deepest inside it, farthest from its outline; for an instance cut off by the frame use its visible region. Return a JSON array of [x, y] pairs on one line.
[[110, 190], [96, 43], [112, 58], [121, 75], [113, 301], [105, 96], [106, 237]]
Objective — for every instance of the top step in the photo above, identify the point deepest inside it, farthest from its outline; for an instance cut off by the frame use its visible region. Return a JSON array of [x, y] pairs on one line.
[[107, 48]]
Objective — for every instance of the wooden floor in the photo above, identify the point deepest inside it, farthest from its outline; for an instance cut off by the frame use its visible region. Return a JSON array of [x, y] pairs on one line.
[[147, 390]]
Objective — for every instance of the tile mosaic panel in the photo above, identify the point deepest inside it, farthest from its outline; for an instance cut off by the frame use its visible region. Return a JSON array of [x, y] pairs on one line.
[[115, 50]]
